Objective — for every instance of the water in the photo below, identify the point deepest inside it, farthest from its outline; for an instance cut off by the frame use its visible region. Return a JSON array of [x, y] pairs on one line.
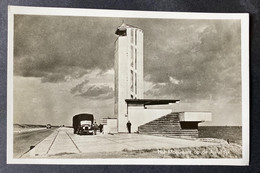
[[231, 133]]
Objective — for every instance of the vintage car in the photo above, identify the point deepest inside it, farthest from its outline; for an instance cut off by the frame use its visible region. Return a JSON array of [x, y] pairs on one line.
[[48, 126], [86, 129]]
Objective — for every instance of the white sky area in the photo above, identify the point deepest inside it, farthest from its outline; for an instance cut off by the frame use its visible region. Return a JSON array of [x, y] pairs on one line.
[[64, 66], [40, 103]]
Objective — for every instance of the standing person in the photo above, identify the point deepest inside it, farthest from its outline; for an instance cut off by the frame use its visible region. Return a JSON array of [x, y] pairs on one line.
[[95, 126], [101, 128], [128, 124]]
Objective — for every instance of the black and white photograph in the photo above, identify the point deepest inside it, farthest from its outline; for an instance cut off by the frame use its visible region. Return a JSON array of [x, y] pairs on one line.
[[92, 86]]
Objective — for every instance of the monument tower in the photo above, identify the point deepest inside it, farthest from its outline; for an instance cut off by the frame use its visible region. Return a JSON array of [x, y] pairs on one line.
[[128, 70]]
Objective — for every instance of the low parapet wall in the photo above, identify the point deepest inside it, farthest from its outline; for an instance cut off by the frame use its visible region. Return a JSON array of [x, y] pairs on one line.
[[110, 126], [198, 116]]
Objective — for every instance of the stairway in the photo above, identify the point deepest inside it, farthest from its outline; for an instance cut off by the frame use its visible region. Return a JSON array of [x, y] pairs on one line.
[[168, 125]]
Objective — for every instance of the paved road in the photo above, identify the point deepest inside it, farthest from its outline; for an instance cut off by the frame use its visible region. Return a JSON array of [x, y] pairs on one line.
[[63, 141], [23, 141]]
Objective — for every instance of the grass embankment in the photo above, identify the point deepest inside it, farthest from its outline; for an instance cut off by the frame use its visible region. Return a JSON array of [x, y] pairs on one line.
[[216, 151]]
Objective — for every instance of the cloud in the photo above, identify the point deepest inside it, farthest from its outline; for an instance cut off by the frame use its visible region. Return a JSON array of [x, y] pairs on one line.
[[202, 57], [193, 54], [94, 85], [197, 63], [98, 92], [174, 81], [52, 47], [189, 60], [79, 87]]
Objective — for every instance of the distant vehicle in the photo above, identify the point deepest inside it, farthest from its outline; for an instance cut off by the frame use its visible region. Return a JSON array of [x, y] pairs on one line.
[[83, 124], [48, 126]]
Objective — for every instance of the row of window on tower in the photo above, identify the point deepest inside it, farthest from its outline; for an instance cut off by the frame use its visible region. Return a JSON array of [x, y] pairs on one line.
[[134, 48], [134, 36], [133, 83], [133, 57], [134, 63]]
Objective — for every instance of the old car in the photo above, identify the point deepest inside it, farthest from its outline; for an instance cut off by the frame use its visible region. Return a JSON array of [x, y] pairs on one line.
[[86, 128], [48, 126]]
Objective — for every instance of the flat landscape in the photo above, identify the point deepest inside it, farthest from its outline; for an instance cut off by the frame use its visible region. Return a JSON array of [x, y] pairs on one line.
[[62, 143], [24, 137]]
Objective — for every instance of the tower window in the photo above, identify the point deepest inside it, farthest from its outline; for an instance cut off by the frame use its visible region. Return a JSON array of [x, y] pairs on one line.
[[136, 37], [132, 36], [135, 83], [132, 56], [132, 81], [135, 58]]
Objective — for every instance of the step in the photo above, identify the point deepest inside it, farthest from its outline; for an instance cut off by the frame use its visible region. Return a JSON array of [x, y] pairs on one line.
[[187, 134], [165, 124], [162, 126], [160, 131], [156, 125], [158, 128], [194, 134], [170, 132], [168, 135], [173, 132], [167, 132], [163, 121], [168, 117], [177, 136], [160, 121], [181, 136]]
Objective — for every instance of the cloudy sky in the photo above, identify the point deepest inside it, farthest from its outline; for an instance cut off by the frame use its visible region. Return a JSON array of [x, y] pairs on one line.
[[64, 66]]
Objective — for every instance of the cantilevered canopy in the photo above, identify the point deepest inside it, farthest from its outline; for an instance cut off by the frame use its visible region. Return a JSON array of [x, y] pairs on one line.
[[150, 101]]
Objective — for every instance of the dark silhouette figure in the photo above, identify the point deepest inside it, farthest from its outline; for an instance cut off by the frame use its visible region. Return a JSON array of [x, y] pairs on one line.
[[95, 126], [128, 124], [228, 141], [101, 128]]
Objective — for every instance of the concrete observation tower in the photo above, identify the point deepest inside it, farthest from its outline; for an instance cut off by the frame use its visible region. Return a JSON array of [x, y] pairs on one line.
[[128, 70], [129, 103]]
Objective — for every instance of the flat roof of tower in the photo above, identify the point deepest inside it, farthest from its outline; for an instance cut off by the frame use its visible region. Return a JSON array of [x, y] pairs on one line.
[[122, 28], [150, 101]]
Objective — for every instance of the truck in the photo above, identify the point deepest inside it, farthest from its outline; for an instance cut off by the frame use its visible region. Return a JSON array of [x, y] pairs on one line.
[[83, 124]]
